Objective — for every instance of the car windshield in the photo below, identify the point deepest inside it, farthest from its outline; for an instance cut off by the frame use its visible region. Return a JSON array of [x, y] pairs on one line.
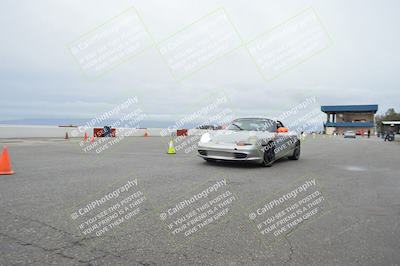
[[252, 125]]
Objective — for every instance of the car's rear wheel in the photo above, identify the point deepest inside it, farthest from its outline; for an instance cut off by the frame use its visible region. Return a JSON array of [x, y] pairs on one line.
[[269, 155], [296, 152]]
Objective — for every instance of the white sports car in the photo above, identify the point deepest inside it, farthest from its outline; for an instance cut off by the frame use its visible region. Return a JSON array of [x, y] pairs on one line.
[[259, 140]]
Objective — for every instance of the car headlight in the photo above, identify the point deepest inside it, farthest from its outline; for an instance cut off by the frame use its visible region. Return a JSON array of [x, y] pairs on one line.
[[205, 138]]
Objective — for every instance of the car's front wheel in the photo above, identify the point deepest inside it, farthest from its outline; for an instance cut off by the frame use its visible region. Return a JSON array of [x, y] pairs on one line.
[[296, 151], [269, 155]]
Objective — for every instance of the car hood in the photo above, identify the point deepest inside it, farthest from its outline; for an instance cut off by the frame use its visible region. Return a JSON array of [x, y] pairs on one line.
[[233, 136]]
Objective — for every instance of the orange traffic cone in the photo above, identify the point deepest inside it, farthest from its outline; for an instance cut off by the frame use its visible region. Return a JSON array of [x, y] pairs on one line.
[[5, 165], [146, 134], [92, 139], [85, 138]]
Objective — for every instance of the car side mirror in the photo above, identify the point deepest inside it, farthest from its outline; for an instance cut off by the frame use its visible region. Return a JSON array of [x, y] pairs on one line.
[[282, 130]]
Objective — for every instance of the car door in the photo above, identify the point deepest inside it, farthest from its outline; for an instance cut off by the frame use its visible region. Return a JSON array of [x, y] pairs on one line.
[[266, 134], [284, 141]]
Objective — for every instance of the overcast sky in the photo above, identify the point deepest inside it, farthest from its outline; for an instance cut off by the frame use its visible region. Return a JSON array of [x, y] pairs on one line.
[[40, 79]]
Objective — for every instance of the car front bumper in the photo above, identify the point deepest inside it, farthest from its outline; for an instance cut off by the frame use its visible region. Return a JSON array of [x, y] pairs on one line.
[[230, 152]]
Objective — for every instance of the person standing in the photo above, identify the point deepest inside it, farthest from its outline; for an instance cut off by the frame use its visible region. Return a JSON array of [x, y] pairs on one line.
[[369, 133]]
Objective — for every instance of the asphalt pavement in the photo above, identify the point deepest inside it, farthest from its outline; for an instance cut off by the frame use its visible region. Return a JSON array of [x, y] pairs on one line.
[[359, 178]]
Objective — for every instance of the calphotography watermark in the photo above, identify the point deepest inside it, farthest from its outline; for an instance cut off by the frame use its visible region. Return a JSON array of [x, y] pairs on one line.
[[289, 44], [111, 127], [110, 44], [108, 210], [199, 44], [284, 131], [210, 115], [202, 115], [198, 210], [305, 116], [277, 217]]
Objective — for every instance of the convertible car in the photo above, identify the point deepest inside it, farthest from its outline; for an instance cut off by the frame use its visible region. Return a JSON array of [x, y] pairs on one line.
[[258, 140]]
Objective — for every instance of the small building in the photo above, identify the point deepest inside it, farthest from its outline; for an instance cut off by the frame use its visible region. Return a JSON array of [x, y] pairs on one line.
[[358, 118], [391, 125]]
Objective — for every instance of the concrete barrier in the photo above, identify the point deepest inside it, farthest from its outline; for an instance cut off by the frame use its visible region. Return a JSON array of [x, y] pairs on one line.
[[30, 131], [16, 131]]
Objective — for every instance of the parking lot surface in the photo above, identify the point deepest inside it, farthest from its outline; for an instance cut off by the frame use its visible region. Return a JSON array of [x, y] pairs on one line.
[[360, 178]]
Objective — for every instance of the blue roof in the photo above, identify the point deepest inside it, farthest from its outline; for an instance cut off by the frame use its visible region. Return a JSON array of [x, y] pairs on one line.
[[350, 108]]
